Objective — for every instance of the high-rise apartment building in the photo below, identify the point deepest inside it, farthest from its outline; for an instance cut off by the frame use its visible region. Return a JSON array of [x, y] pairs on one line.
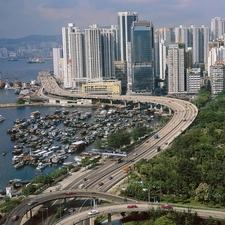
[[77, 61], [57, 55], [217, 28], [67, 67], [108, 52], [125, 20], [217, 77], [93, 50], [193, 80], [181, 35], [216, 54], [163, 37], [176, 74], [196, 38], [142, 55]]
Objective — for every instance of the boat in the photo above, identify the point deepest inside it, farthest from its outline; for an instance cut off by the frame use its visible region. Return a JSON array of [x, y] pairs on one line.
[[3, 153], [2, 118], [35, 60], [19, 165], [41, 166]]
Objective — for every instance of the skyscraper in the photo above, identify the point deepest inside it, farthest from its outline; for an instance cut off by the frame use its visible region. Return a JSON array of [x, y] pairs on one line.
[[217, 28], [108, 53], [67, 67], [93, 50], [125, 20], [78, 75], [57, 55], [142, 54], [176, 76]]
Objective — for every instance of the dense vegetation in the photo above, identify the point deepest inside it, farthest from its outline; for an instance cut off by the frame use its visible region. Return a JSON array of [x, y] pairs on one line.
[[193, 169]]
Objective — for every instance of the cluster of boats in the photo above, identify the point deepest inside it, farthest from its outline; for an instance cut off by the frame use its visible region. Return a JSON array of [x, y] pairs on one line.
[[46, 140]]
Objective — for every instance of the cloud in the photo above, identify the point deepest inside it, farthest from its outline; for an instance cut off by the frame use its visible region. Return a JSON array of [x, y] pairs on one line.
[[54, 13]]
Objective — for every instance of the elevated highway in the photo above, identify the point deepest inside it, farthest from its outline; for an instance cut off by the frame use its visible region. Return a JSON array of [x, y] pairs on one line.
[[181, 109]]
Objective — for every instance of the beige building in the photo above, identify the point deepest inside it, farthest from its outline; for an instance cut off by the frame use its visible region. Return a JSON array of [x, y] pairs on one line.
[[107, 87]]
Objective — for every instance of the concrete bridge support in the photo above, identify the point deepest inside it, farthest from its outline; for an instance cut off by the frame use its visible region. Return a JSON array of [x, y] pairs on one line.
[[109, 219]]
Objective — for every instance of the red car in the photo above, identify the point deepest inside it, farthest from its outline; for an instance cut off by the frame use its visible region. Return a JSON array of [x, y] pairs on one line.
[[131, 206], [166, 206], [100, 184], [15, 218], [70, 193]]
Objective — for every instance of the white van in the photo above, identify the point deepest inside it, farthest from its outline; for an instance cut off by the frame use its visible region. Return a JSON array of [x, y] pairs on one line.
[[81, 186]]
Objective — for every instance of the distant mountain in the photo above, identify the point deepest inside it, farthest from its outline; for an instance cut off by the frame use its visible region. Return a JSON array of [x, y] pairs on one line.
[[31, 39]]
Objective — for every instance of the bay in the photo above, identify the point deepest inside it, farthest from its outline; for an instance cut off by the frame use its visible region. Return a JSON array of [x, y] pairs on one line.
[[25, 73]]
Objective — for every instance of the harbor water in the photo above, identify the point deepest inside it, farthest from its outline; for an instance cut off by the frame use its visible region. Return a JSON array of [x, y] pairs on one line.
[[25, 73]]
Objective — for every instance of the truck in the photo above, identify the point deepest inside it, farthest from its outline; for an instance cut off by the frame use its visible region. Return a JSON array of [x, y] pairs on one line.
[[126, 169], [156, 136]]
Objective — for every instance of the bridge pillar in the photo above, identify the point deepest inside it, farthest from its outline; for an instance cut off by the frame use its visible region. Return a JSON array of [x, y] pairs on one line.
[[170, 111], [109, 219], [125, 104], [30, 213], [111, 101], [161, 109]]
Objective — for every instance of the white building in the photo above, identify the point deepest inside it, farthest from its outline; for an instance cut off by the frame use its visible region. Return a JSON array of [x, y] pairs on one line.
[[176, 80], [217, 77], [57, 55], [193, 80], [217, 28], [67, 67], [93, 49], [125, 20], [108, 53], [77, 58]]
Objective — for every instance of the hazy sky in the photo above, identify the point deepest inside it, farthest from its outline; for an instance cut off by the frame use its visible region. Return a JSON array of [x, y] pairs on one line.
[[19, 18]]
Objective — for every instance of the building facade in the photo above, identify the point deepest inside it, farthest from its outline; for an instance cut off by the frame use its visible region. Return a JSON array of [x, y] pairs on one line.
[[193, 80], [176, 75], [217, 77], [125, 20], [142, 54]]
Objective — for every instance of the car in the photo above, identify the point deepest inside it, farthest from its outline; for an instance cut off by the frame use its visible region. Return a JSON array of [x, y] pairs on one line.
[[110, 178], [147, 141], [32, 202], [100, 184], [93, 212], [131, 206], [70, 193], [166, 206], [70, 210], [15, 217]]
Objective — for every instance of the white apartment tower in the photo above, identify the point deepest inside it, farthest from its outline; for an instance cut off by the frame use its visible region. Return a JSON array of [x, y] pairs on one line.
[[67, 67], [176, 78], [93, 50], [57, 55], [217, 28], [181, 35], [77, 58], [194, 31], [162, 38], [193, 80], [125, 20], [108, 53], [217, 77]]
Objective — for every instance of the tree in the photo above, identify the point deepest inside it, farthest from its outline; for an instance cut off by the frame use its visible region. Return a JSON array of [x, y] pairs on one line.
[[202, 193]]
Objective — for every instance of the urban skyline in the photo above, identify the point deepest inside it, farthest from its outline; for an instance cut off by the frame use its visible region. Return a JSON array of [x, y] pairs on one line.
[[47, 17]]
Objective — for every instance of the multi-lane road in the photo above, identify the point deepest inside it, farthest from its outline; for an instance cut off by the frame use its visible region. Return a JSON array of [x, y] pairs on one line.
[[91, 179]]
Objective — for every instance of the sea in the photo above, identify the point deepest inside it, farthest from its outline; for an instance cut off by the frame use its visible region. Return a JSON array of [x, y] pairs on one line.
[[24, 72]]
